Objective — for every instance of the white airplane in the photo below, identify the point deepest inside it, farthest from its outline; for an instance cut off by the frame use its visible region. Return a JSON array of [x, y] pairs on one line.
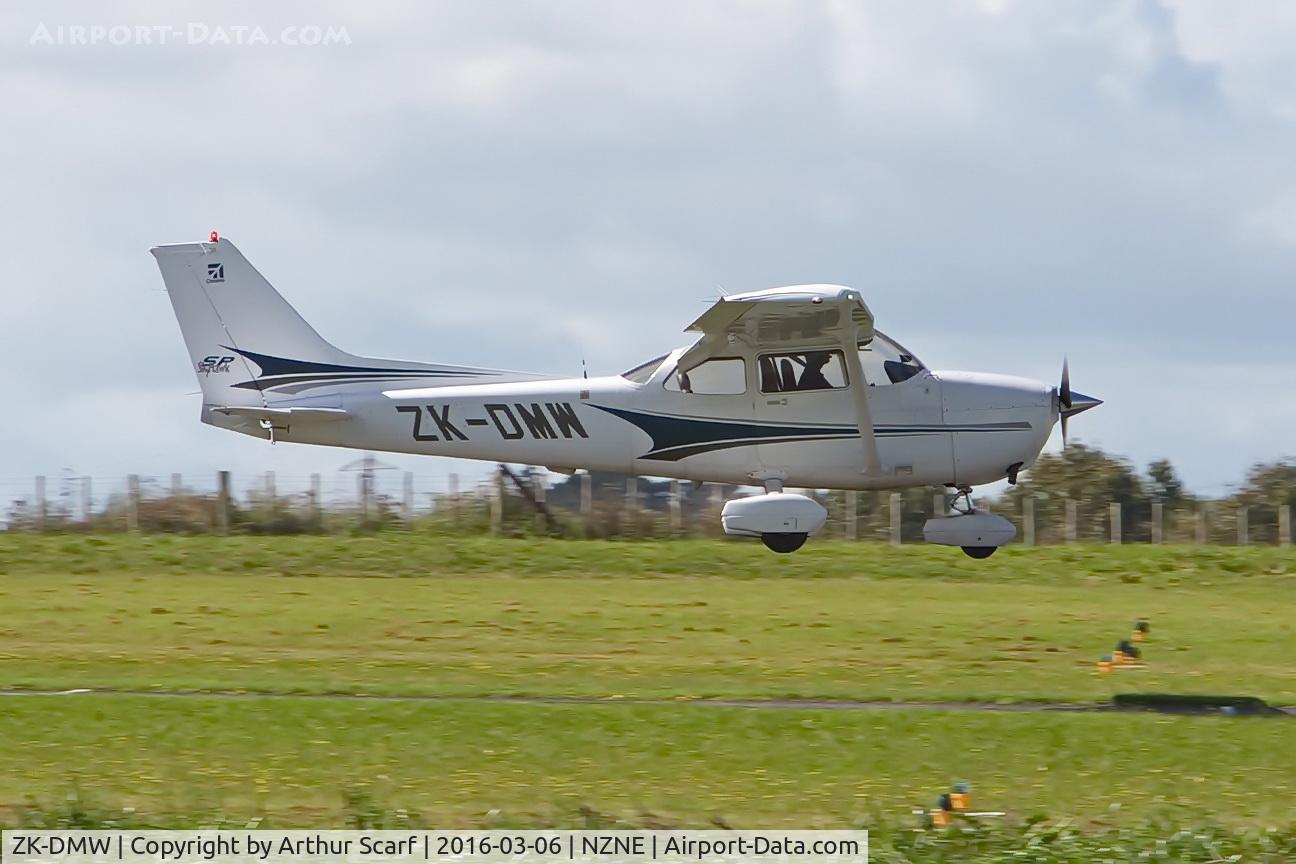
[[784, 387]]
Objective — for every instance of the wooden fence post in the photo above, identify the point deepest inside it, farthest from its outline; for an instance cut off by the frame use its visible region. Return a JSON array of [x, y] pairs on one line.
[[1071, 519], [41, 511], [1028, 519], [587, 503], [497, 503], [362, 495], [538, 493], [132, 502], [407, 497], [676, 515], [272, 499], [850, 514], [1114, 515], [314, 505], [895, 518], [223, 502], [454, 500], [1158, 522], [632, 506], [1284, 525], [1243, 530]]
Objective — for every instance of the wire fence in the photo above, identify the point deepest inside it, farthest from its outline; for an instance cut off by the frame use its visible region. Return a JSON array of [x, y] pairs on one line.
[[519, 501]]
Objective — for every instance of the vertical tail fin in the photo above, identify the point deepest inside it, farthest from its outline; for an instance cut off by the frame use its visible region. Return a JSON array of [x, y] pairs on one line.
[[229, 314], [250, 348]]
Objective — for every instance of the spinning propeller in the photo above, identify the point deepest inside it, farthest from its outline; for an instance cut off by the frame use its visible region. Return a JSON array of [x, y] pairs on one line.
[[1069, 403]]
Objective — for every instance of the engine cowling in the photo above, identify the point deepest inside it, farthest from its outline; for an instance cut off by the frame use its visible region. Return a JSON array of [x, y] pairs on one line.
[[773, 513]]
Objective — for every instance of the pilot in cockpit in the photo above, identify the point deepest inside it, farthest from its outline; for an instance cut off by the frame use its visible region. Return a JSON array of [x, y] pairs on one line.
[[813, 378]]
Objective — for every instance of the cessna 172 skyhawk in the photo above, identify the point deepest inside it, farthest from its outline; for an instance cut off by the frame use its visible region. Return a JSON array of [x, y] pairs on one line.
[[784, 387]]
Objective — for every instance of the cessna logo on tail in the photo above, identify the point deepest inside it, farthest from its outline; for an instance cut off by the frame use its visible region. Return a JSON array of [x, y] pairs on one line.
[[550, 420], [213, 363], [215, 272]]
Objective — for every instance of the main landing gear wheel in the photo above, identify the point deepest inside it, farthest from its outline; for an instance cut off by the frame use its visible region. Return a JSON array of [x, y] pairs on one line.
[[979, 551], [783, 541]]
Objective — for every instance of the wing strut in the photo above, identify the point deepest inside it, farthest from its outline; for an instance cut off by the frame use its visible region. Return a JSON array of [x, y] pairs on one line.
[[859, 390]]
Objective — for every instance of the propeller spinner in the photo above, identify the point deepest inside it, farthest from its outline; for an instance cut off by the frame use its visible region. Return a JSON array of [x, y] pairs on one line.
[[1069, 403]]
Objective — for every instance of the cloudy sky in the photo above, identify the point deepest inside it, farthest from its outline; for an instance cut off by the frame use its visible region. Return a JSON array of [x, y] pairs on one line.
[[524, 184]]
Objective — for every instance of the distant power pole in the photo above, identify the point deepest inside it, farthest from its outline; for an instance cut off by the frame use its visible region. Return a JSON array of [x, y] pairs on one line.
[[366, 466]]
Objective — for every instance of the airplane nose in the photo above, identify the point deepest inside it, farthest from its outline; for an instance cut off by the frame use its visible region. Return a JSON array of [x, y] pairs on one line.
[[1079, 403]]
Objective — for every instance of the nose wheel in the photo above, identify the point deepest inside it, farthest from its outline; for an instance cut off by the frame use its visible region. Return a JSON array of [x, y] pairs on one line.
[[783, 541], [967, 508], [978, 552]]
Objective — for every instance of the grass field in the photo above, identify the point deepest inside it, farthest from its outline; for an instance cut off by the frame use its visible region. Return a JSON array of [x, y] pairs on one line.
[[465, 618], [296, 761], [656, 620]]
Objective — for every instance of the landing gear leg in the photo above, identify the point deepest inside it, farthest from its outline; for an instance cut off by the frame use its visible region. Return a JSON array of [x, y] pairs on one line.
[[781, 541]]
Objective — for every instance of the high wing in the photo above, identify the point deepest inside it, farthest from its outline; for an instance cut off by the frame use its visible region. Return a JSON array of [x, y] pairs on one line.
[[797, 316], [802, 316]]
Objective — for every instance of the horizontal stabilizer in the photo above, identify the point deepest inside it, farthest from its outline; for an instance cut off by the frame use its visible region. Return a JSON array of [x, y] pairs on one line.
[[284, 415]]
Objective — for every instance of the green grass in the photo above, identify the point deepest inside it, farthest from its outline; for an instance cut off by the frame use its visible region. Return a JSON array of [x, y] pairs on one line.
[[295, 762], [645, 620], [469, 617], [397, 554]]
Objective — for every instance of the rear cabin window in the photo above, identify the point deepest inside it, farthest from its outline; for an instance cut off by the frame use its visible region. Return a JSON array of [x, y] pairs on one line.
[[644, 371], [800, 371], [720, 376]]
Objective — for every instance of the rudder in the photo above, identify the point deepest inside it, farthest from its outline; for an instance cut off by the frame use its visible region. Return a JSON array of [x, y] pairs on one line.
[[226, 307]]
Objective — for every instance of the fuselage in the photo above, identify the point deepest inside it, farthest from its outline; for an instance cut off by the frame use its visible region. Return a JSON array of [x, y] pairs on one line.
[[933, 428]]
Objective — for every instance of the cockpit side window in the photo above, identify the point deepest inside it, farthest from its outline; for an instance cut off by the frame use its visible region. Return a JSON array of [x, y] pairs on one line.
[[719, 376], [642, 373], [801, 370]]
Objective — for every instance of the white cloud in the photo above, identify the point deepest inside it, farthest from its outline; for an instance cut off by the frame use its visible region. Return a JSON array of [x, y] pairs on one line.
[[1250, 42]]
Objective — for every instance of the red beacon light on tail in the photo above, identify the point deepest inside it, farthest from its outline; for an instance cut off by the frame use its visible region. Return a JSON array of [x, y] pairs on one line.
[[215, 237]]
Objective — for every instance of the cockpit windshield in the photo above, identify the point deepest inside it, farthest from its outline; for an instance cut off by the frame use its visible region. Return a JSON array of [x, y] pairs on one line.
[[885, 362], [644, 371]]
